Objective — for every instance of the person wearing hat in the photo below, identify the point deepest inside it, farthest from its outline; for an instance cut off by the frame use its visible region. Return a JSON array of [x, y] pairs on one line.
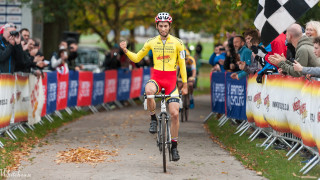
[[63, 68], [11, 51]]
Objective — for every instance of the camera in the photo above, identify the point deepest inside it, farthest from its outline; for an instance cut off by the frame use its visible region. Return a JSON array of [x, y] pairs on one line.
[[14, 33], [222, 49]]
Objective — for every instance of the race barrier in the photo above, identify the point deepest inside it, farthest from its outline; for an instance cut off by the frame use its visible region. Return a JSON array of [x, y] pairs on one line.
[[284, 108], [25, 99]]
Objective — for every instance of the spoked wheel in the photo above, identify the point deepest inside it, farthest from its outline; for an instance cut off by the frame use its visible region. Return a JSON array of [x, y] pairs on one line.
[[182, 114], [186, 115], [185, 109], [169, 140], [159, 136], [163, 141]]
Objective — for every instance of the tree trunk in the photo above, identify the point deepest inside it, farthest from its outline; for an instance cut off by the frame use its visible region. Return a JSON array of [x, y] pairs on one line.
[[116, 36], [132, 40], [176, 32], [52, 35]]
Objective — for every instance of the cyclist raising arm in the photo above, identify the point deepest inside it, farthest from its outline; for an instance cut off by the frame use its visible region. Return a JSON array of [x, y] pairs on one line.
[[168, 52]]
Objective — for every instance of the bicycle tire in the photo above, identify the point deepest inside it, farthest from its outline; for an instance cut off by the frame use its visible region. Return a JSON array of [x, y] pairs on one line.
[[163, 129], [159, 135], [186, 114], [169, 140], [187, 107], [182, 114]]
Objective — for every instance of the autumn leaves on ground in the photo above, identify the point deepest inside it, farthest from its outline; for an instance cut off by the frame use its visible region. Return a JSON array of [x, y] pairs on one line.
[[271, 163], [117, 144]]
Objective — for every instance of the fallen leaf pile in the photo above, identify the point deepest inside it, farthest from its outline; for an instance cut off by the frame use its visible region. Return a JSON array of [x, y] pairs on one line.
[[84, 155], [21, 153]]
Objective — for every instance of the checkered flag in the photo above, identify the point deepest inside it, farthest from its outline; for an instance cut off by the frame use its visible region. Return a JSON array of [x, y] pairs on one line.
[[274, 16]]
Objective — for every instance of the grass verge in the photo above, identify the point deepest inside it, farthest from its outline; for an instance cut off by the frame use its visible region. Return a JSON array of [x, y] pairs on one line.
[[271, 163], [14, 151], [203, 86]]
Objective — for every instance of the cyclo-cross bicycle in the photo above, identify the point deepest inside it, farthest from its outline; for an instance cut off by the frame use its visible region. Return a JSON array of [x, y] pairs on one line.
[[184, 112], [163, 130]]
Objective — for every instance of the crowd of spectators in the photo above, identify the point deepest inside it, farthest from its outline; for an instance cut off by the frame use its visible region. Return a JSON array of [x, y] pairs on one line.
[[296, 52], [116, 59], [19, 52]]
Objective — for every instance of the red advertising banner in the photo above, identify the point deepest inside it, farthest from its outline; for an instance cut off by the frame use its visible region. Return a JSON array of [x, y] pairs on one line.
[[111, 81], [62, 94], [85, 88], [136, 80], [44, 88]]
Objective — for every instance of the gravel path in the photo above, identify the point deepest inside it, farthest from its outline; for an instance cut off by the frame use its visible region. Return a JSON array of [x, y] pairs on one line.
[[125, 131]]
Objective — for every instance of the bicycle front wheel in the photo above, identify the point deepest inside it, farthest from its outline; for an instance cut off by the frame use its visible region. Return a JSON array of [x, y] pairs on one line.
[[163, 139]]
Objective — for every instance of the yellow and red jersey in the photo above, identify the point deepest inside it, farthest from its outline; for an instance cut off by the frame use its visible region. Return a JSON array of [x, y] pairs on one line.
[[167, 55]]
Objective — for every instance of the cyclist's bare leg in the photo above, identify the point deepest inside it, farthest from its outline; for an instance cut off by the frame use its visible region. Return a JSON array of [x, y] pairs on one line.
[[151, 89], [190, 91], [174, 113]]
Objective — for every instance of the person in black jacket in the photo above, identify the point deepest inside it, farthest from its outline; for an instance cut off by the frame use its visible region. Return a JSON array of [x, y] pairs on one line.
[[10, 48], [112, 59], [230, 63], [72, 55], [31, 61]]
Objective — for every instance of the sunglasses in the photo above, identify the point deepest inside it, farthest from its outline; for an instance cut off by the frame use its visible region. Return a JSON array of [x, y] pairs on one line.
[[10, 25]]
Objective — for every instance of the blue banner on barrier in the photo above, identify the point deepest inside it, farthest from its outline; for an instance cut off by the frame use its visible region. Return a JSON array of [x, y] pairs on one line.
[[98, 88], [52, 92], [218, 92], [73, 88], [124, 84], [236, 97], [146, 76]]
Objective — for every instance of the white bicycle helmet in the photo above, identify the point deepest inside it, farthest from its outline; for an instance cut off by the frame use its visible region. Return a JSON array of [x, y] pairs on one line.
[[163, 17]]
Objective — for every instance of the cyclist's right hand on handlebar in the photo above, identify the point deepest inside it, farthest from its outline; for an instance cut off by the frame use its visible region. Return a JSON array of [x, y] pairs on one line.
[[184, 90], [123, 46]]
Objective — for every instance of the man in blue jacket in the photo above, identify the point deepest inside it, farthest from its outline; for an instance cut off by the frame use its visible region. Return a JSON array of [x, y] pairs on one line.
[[217, 58], [245, 55]]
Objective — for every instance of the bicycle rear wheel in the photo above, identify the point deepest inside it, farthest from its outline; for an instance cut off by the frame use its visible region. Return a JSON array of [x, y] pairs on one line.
[[186, 104], [182, 114], [163, 139]]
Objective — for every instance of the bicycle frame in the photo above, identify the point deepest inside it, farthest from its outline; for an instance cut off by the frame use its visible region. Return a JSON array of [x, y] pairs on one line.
[[163, 131]]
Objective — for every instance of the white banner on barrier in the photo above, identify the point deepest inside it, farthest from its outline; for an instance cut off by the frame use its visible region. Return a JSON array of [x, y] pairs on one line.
[[255, 103], [290, 105], [6, 99], [22, 98], [37, 99], [315, 113]]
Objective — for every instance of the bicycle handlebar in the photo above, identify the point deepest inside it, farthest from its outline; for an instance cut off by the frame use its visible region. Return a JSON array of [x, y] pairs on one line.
[[162, 96]]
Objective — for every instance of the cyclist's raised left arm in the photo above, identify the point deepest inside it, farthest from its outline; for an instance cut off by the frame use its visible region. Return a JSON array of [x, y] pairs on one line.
[[136, 57]]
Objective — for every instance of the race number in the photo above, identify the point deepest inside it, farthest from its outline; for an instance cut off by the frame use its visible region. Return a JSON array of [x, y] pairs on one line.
[[182, 54]]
